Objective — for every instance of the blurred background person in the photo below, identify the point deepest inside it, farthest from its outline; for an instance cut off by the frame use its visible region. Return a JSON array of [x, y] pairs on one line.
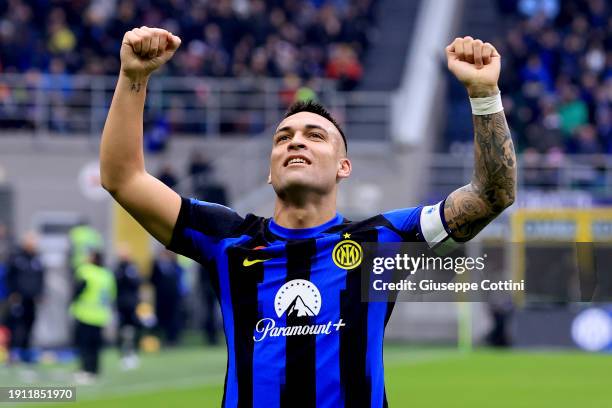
[[128, 297], [210, 323], [168, 176], [167, 278], [199, 170], [84, 239], [25, 284], [3, 283], [92, 308]]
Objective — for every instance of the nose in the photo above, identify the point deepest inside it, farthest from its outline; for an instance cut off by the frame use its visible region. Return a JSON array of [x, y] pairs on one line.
[[297, 142]]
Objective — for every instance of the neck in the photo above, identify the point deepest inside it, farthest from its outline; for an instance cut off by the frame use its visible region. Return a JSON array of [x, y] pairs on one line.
[[305, 213]]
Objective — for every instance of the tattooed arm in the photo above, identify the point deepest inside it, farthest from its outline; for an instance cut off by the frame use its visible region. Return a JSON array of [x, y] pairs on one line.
[[493, 187], [470, 208], [122, 168]]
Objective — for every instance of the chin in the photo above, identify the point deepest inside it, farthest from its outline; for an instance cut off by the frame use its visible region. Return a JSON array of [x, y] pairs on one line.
[[293, 185]]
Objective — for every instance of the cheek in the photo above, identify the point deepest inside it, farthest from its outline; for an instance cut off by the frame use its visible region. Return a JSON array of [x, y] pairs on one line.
[[275, 160], [330, 166]]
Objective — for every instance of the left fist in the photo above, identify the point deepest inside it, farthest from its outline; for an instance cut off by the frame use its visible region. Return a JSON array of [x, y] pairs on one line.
[[475, 64]]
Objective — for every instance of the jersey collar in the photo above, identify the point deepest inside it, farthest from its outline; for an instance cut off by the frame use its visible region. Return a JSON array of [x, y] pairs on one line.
[[303, 233]]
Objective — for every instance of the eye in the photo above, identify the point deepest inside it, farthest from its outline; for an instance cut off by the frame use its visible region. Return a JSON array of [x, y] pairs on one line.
[[317, 135], [281, 138]]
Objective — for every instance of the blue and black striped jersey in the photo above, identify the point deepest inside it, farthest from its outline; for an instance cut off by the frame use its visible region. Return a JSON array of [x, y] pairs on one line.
[[297, 332]]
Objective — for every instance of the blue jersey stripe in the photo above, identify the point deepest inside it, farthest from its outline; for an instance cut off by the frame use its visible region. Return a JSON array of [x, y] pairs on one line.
[[269, 352], [331, 281]]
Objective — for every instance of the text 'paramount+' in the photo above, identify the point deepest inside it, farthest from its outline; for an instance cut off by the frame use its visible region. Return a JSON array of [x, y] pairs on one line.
[[267, 328]]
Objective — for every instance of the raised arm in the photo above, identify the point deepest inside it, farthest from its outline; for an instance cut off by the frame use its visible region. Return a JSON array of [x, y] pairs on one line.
[[493, 187], [149, 201]]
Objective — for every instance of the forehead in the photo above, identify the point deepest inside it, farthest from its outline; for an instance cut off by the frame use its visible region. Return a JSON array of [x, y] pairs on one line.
[[301, 119]]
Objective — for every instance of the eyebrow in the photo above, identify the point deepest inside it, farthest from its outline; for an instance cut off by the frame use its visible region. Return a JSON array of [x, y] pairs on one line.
[[308, 126]]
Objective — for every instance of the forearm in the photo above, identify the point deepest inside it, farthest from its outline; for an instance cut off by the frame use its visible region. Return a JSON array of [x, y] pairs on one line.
[[494, 161], [493, 186], [121, 149]]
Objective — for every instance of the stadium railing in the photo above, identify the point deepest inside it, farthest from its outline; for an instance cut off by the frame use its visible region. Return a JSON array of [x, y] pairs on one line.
[[78, 104], [586, 174]]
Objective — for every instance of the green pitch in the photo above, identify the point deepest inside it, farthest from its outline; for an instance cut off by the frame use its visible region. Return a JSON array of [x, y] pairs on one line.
[[415, 377]]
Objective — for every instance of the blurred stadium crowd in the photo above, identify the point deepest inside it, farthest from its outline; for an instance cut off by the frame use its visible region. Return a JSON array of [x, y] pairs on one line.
[[246, 38], [557, 76], [556, 84]]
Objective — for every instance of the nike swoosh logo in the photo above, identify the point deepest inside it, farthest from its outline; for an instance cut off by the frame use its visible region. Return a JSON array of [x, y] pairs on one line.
[[247, 262]]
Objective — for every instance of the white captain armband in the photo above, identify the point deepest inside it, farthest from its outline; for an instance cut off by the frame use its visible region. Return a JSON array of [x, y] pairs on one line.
[[435, 231], [487, 105]]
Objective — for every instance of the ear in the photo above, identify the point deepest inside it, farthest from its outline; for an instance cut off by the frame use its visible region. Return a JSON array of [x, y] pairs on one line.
[[344, 168], [269, 176]]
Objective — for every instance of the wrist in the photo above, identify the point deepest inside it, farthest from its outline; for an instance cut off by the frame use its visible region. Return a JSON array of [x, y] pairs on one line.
[[482, 91], [134, 77], [134, 82], [487, 105]]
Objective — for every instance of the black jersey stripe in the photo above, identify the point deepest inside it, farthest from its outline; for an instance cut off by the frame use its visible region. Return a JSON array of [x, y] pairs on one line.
[[357, 386], [213, 270], [243, 287], [300, 367]]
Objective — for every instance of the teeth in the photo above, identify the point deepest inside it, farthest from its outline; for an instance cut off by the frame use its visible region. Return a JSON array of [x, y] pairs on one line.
[[296, 160]]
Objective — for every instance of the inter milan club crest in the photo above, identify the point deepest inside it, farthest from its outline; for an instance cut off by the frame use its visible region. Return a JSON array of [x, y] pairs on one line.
[[347, 254]]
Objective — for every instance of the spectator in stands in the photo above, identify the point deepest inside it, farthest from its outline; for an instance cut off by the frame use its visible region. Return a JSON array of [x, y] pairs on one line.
[[128, 297], [572, 109], [25, 284], [168, 176], [199, 170], [345, 67]]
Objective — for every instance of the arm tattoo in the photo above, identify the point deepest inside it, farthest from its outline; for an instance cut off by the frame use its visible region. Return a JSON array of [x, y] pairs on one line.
[[135, 87], [470, 208]]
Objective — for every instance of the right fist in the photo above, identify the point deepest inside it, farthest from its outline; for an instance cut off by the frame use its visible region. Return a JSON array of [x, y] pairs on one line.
[[145, 49]]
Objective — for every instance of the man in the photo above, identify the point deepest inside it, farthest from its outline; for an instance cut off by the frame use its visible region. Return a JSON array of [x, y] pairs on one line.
[[128, 297], [92, 308], [275, 276], [168, 277], [84, 239], [25, 283]]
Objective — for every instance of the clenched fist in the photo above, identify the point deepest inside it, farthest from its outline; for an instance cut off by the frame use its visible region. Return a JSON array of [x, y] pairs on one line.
[[475, 64], [145, 49]]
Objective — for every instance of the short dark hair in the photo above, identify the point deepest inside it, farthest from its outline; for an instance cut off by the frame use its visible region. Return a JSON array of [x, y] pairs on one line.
[[318, 109]]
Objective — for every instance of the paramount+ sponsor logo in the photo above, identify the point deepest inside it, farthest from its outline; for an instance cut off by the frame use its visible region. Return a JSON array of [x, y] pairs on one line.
[[298, 300]]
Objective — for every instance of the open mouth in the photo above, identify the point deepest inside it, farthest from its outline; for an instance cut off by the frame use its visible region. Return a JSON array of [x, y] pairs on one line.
[[296, 160]]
